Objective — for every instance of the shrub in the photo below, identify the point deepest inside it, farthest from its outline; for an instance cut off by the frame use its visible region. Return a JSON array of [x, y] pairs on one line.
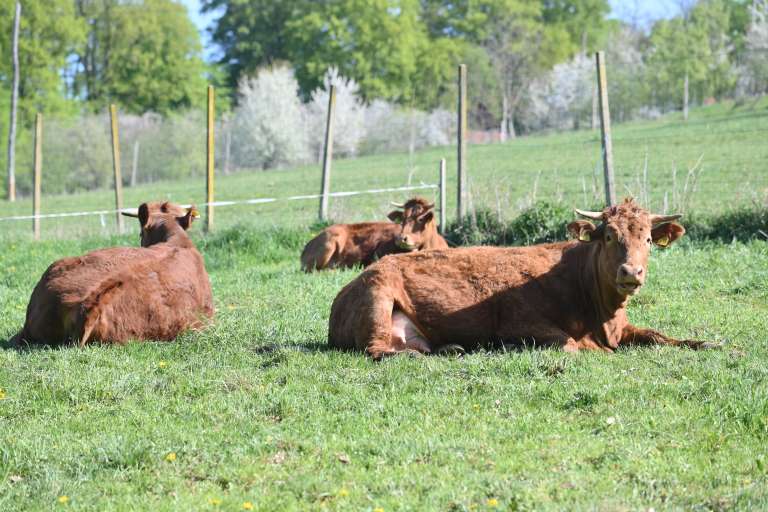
[[542, 222], [268, 126]]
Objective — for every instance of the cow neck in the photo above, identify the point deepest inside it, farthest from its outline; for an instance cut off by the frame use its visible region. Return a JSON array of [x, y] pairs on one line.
[[177, 237], [603, 297]]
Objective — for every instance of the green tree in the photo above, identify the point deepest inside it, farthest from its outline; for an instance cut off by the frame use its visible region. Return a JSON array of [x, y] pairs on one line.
[[50, 32], [691, 53], [253, 33], [143, 55]]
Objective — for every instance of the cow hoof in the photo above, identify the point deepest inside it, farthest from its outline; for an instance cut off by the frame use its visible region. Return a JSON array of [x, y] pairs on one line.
[[451, 350]]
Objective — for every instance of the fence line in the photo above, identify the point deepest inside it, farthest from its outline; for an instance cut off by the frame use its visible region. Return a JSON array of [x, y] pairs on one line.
[[260, 200]]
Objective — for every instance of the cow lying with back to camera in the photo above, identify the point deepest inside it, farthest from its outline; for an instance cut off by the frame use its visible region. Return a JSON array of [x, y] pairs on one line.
[[155, 291], [346, 245], [570, 295]]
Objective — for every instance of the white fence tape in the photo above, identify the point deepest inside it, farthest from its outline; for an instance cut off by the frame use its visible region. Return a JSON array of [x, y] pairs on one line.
[[233, 203]]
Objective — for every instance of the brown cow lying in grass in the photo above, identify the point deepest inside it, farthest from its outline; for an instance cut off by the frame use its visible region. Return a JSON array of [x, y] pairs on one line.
[[346, 245], [152, 292], [570, 295]]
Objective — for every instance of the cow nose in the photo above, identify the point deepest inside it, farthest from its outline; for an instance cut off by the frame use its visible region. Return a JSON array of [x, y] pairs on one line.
[[630, 271]]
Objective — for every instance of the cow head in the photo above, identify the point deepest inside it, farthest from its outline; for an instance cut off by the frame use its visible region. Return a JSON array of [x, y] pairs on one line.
[[162, 220], [625, 235], [417, 223]]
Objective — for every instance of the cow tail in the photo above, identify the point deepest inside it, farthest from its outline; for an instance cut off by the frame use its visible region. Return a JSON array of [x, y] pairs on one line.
[[91, 319]]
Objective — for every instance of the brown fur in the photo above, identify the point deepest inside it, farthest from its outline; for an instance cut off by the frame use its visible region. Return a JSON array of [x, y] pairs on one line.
[[570, 295], [122, 293], [348, 245]]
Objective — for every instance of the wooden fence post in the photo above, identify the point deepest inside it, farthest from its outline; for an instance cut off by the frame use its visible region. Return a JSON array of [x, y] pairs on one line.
[[461, 210], [325, 186], [209, 184], [441, 226], [116, 167], [38, 159], [605, 129]]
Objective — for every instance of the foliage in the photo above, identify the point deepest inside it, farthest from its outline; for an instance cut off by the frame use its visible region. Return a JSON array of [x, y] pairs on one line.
[[145, 56], [348, 121], [50, 32], [543, 222], [268, 120], [753, 72]]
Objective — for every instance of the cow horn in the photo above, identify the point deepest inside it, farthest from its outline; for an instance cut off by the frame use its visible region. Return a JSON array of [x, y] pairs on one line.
[[397, 205], [661, 219], [133, 212], [589, 215], [429, 206]]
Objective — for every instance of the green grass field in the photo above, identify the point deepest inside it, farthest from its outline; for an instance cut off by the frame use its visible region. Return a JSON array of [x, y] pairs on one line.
[[255, 412]]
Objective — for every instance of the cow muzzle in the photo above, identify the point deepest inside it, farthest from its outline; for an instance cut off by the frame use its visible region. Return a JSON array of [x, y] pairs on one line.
[[629, 279], [403, 242]]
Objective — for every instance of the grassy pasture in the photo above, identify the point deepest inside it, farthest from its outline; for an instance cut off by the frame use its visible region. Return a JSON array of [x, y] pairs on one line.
[[255, 412]]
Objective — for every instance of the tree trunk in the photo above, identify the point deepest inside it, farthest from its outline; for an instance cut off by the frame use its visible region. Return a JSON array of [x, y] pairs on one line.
[[504, 127], [685, 97], [14, 106]]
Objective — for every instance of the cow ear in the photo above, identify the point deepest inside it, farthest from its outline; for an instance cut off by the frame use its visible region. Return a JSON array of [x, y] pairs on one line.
[[143, 214], [427, 217], [664, 234], [582, 230], [185, 221], [395, 216]]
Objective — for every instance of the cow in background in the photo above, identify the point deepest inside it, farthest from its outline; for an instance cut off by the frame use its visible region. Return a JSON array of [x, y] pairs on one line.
[[568, 295], [152, 292], [413, 228]]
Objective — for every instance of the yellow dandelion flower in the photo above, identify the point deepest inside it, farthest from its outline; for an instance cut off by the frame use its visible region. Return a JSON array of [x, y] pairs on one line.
[[247, 505], [343, 492], [162, 364], [492, 502], [63, 499], [378, 509], [215, 502], [171, 457], [2, 394], [476, 406]]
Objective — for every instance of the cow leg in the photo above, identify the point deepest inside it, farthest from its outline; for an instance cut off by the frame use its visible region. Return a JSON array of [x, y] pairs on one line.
[[546, 337], [388, 331], [636, 337]]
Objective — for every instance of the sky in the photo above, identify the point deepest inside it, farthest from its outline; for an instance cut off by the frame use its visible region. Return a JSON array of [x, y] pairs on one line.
[[640, 12]]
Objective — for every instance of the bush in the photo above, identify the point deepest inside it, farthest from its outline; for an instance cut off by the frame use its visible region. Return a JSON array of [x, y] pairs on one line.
[[542, 222], [269, 130]]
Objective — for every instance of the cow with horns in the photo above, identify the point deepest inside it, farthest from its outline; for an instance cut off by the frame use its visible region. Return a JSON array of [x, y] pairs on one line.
[[413, 228], [569, 295], [152, 292]]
